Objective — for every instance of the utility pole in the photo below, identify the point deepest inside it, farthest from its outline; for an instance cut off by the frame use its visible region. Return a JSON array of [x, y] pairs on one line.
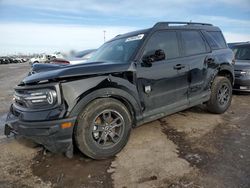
[[104, 35]]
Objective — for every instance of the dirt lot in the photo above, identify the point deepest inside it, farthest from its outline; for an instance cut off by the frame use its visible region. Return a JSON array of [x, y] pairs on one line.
[[189, 149]]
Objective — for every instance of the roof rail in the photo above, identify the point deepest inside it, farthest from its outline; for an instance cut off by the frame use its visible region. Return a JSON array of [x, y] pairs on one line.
[[164, 24]]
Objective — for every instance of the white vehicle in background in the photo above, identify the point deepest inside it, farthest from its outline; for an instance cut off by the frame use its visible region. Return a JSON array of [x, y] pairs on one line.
[[57, 55], [77, 58], [42, 58]]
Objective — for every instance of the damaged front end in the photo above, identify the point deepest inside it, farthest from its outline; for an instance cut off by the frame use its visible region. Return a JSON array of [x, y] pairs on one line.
[[38, 113], [43, 102]]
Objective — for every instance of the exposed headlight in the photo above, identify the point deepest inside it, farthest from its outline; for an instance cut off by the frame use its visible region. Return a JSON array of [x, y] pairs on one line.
[[48, 96], [36, 98]]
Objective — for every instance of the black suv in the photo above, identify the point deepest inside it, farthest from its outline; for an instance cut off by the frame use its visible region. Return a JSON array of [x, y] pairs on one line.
[[132, 79], [242, 66]]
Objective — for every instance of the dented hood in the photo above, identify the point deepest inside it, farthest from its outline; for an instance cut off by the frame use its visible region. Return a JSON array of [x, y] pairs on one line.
[[90, 68], [40, 67]]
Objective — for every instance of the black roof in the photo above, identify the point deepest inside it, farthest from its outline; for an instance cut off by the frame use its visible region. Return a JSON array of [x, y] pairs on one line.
[[171, 25], [185, 25]]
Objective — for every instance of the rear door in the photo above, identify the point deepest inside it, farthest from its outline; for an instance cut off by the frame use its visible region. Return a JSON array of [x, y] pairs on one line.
[[197, 56]]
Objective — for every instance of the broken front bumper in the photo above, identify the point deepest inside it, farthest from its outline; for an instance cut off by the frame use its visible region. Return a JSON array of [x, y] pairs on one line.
[[48, 133]]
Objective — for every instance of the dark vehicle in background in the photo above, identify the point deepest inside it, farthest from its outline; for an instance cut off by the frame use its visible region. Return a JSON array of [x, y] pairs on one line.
[[4, 60], [242, 66], [7, 60], [79, 57], [12, 59], [132, 79], [230, 45], [15, 60]]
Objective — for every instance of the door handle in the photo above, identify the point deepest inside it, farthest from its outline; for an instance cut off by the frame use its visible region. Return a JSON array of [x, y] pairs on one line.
[[179, 66]]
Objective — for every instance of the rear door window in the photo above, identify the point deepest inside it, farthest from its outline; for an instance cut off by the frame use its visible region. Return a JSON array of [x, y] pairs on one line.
[[192, 43]]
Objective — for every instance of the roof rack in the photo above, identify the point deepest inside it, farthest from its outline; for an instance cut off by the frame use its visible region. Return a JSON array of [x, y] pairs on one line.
[[164, 24]]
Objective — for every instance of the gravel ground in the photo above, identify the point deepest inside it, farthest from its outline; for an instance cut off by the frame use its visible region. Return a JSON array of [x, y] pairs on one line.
[[192, 148]]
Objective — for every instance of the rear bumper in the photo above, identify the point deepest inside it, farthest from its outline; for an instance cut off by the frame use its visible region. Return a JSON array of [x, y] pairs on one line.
[[48, 133]]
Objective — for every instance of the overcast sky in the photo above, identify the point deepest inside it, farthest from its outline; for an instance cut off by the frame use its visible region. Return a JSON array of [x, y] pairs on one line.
[[28, 26]]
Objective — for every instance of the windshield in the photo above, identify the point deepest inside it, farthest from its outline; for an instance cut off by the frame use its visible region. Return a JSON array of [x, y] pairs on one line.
[[118, 51], [242, 52]]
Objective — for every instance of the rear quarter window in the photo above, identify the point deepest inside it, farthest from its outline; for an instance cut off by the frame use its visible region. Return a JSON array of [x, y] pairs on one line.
[[215, 40]]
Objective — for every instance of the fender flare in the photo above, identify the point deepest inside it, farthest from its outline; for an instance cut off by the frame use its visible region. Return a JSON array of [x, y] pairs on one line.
[[223, 67], [119, 94], [229, 69]]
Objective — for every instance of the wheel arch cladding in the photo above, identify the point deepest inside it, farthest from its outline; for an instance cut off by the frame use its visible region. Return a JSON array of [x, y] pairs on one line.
[[226, 71], [127, 99], [72, 90]]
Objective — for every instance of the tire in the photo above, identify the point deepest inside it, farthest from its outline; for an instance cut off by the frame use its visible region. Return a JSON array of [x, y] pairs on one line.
[[93, 118], [217, 103]]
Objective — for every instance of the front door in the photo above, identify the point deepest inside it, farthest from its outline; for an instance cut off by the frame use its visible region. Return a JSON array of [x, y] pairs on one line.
[[163, 84]]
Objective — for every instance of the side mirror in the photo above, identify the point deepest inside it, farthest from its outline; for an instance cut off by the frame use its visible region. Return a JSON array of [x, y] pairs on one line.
[[158, 55]]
